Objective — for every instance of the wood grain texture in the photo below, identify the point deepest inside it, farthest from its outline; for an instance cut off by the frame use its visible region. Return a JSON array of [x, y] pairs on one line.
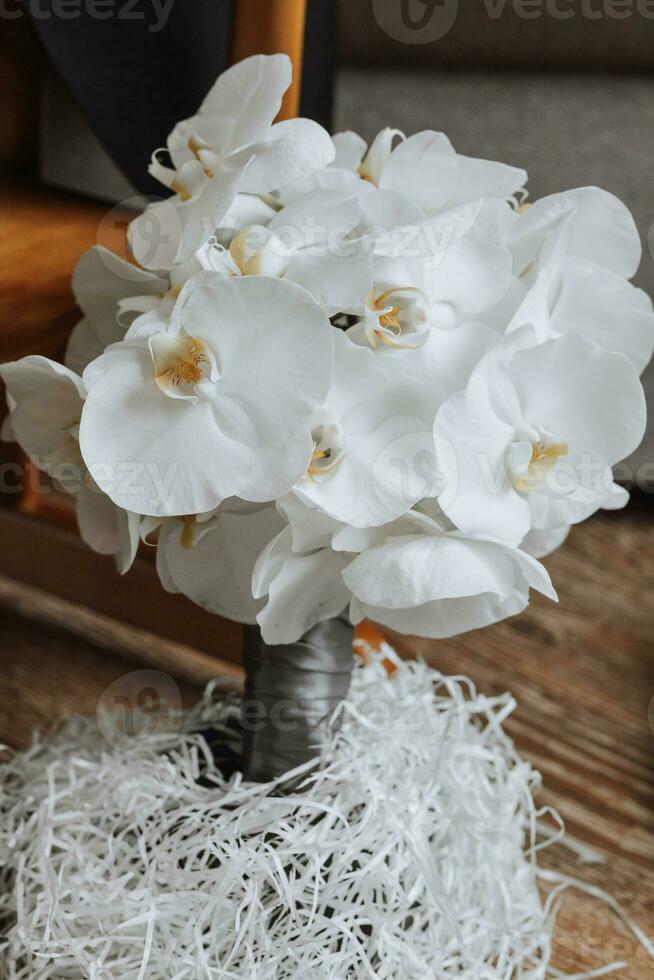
[[42, 235], [55, 560], [582, 673]]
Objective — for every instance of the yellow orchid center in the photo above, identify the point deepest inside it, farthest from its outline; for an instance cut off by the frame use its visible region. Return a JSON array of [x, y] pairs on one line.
[[391, 318], [187, 537], [181, 363], [199, 152], [194, 528], [178, 188], [389, 313], [364, 175], [328, 450], [543, 457], [395, 313], [188, 371]]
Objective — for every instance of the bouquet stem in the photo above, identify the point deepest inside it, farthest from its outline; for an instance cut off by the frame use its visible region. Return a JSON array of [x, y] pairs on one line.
[[291, 693]]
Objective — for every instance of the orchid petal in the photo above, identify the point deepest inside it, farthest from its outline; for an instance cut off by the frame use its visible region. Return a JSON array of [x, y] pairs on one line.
[[602, 229], [489, 583], [217, 572], [106, 528], [338, 277], [587, 395], [171, 231], [307, 590], [486, 178], [471, 443], [250, 92], [293, 149], [540, 544], [48, 401], [349, 149], [274, 346], [606, 308], [424, 167]]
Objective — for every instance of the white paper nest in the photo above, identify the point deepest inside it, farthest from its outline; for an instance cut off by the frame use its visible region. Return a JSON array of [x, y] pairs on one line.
[[409, 855]]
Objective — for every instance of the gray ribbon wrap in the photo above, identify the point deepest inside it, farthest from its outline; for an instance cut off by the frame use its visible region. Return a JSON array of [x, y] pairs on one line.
[[291, 693]]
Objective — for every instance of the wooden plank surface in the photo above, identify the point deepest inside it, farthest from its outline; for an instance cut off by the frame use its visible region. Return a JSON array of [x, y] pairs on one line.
[[582, 672], [42, 235], [56, 560]]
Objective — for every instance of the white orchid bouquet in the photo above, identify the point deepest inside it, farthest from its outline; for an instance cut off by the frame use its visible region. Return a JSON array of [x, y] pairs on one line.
[[337, 383], [343, 377]]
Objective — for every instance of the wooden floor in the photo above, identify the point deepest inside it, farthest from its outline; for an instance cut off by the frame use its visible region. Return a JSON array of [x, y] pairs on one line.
[[582, 672]]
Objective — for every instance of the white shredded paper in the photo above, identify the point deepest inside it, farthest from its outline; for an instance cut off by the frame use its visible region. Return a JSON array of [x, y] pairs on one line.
[[410, 854]]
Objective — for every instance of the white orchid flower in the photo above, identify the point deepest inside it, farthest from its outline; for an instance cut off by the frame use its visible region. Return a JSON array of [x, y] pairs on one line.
[[254, 251], [326, 256], [110, 292], [394, 317], [307, 243], [45, 401], [300, 574], [341, 174], [406, 304], [330, 178], [601, 230], [585, 227], [210, 557], [418, 577], [426, 169], [530, 442], [573, 292], [230, 146], [373, 447], [415, 575], [459, 259], [217, 404]]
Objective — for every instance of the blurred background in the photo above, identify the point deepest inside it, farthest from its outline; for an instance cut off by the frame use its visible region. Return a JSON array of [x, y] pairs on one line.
[[563, 88]]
